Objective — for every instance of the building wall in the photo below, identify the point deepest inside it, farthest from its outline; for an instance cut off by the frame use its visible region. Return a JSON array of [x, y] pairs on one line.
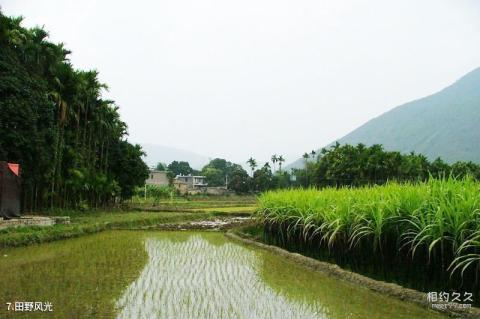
[[217, 191], [181, 187], [184, 189], [9, 192], [192, 181], [158, 178], [185, 179]]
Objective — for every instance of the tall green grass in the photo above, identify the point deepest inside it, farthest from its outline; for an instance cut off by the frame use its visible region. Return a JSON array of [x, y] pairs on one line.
[[433, 224]]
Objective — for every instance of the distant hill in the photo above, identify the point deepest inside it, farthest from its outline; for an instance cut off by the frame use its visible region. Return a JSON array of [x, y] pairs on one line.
[[165, 154], [445, 124]]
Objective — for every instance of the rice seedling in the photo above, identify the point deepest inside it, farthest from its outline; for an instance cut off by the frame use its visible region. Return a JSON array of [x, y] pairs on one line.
[[137, 274], [430, 227]]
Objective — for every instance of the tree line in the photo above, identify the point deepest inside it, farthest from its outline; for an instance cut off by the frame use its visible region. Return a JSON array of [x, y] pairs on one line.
[[70, 142], [336, 166], [220, 173], [349, 165]]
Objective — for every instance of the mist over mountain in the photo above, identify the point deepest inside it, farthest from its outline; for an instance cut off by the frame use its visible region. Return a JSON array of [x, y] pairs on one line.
[[159, 153], [445, 124]]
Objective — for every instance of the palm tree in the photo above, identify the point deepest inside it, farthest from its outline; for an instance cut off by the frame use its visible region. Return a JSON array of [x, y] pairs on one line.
[[58, 144], [280, 160], [306, 156], [274, 160], [312, 154], [252, 163]]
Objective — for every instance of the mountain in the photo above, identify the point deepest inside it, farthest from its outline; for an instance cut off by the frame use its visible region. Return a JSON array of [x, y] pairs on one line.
[[445, 124], [165, 154]]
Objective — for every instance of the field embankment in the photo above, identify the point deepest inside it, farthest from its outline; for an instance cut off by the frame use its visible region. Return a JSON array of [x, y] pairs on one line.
[[183, 214], [195, 204]]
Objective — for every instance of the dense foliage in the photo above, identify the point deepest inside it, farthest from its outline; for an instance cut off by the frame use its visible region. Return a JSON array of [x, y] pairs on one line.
[[154, 193], [218, 171], [340, 165], [426, 231], [161, 167], [179, 168], [69, 141], [347, 165]]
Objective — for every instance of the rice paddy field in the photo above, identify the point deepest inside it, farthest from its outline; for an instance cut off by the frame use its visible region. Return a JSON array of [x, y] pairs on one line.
[[92, 222], [422, 235], [175, 211], [158, 274], [193, 203]]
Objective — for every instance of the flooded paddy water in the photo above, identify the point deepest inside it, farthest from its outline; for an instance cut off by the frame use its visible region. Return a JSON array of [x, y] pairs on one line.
[[188, 274]]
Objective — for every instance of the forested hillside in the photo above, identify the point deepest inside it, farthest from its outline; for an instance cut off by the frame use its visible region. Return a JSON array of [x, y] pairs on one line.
[[444, 125], [69, 141]]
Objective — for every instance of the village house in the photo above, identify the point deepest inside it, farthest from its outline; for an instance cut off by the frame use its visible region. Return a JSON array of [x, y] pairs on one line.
[[157, 178], [190, 184]]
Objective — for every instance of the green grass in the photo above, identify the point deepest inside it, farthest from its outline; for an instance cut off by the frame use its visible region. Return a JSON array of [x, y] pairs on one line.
[[436, 223], [88, 223], [180, 203], [82, 278], [173, 211]]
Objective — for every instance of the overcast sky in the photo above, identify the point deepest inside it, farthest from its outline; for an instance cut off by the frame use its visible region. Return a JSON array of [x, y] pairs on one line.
[[243, 78]]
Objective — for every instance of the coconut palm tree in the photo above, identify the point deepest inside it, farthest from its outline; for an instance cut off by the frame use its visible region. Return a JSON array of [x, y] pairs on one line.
[[306, 156], [280, 160], [274, 161], [252, 163]]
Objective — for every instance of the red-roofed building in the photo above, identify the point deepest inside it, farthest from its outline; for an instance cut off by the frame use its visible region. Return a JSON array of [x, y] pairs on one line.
[[10, 190], [15, 168]]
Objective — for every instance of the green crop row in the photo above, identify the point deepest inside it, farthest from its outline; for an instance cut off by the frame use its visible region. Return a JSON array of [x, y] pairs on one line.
[[436, 219]]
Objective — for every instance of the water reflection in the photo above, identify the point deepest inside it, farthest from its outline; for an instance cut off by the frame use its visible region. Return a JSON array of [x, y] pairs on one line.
[[129, 274], [198, 279], [203, 275], [339, 299]]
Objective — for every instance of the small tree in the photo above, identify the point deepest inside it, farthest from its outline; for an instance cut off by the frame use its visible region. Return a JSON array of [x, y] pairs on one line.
[[263, 178], [161, 167], [239, 181], [180, 168]]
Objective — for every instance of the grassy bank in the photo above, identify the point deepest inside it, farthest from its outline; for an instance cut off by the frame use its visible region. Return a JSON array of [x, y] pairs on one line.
[[424, 235], [193, 203], [87, 223]]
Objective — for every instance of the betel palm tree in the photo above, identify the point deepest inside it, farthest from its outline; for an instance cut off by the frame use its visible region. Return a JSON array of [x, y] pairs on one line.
[[280, 160], [274, 161], [62, 107], [252, 163], [306, 156]]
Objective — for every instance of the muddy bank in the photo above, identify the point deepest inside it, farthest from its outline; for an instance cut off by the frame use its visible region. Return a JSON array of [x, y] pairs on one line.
[[333, 270], [221, 223]]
